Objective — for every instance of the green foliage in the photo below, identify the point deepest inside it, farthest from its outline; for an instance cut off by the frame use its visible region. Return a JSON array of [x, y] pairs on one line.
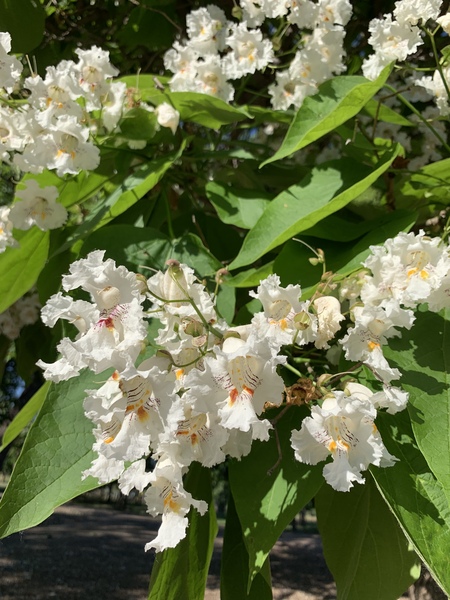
[[57, 450], [364, 547], [416, 498], [235, 580], [337, 101], [279, 491], [24, 416], [327, 189], [24, 20], [20, 267], [423, 354]]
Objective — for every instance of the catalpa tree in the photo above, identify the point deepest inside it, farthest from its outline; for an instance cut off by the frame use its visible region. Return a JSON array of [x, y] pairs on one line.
[[238, 255]]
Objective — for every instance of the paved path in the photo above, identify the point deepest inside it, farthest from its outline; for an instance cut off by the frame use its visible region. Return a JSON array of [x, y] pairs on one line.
[[85, 553]]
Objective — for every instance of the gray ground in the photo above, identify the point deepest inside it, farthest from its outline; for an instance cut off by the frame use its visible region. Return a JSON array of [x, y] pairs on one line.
[[84, 553]]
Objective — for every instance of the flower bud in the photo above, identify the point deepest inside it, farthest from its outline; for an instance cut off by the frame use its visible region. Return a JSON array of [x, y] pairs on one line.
[[302, 320], [174, 285], [167, 116]]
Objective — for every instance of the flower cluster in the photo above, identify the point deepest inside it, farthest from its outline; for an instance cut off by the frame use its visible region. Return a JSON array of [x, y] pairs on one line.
[[397, 36], [24, 311], [202, 396], [55, 129], [219, 51]]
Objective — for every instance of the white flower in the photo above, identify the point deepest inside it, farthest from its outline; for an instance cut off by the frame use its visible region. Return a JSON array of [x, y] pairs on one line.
[[56, 95], [280, 305], [212, 80], [412, 11], [25, 311], [252, 13], [250, 52], [135, 476], [328, 310], [444, 22], [274, 8], [167, 496], [435, 87], [334, 13], [114, 338], [94, 72], [207, 29], [190, 436], [181, 60], [391, 41], [38, 207], [303, 13], [406, 268], [167, 116], [237, 384], [373, 326], [10, 67], [112, 104], [392, 398], [6, 227], [344, 428]]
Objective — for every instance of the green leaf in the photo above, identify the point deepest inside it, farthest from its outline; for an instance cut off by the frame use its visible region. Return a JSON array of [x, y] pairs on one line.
[[375, 108], [145, 87], [415, 497], [226, 303], [24, 416], [426, 185], [138, 124], [57, 450], [189, 249], [251, 277], [264, 115], [205, 110], [24, 20], [365, 549], [293, 266], [234, 574], [327, 189], [423, 356], [132, 189], [140, 21], [20, 267], [267, 502], [181, 572], [198, 108], [235, 206], [133, 247], [337, 100]]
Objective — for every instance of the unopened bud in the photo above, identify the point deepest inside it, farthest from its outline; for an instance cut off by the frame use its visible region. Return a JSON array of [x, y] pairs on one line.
[[221, 273], [142, 283], [302, 320], [174, 283], [231, 334], [324, 379], [193, 327], [237, 12], [276, 43]]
